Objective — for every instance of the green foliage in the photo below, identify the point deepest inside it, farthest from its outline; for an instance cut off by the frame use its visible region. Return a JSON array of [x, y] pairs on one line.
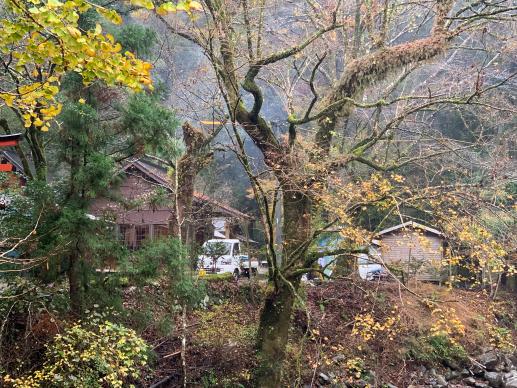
[[159, 197], [170, 258], [501, 338], [209, 379], [71, 82], [92, 354], [136, 39], [437, 349], [88, 20], [222, 288], [103, 289], [214, 251], [219, 277], [152, 126], [20, 294], [35, 204]]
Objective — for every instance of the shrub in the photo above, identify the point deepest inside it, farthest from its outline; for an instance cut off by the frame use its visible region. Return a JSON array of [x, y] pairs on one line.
[[169, 257], [225, 324], [94, 355], [501, 338], [219, 277], [436, 349]]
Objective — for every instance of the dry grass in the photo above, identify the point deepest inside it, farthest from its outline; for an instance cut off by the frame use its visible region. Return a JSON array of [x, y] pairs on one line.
[[221, 339]]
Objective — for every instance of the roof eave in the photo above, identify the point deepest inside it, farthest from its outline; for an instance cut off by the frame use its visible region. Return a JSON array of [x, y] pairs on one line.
[[228, 209], [410, 224]]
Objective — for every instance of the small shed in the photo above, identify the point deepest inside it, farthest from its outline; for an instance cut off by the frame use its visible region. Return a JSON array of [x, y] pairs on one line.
[[415, 249]]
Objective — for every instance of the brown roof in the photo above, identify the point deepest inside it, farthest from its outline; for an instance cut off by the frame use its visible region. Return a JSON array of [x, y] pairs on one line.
[[159, 174]]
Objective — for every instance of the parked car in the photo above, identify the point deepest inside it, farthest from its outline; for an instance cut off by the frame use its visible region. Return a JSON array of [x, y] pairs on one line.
[[377, 274], [367, 266], [224, 256]]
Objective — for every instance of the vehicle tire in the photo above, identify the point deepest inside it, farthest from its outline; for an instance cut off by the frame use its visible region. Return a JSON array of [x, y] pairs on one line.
[[254, 272], [236, 273]]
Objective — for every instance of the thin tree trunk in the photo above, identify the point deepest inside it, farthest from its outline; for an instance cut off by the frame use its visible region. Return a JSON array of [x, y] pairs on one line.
[[75, 277], [184, 343], [494, 293], [74, 280]]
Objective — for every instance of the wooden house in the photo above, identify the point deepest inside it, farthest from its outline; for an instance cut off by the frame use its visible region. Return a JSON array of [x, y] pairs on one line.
[[417, 250], [135, 207]]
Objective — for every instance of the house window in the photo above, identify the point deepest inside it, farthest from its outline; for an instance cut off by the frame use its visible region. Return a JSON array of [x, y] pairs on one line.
[[160, 231], [141, 233], [124, 234]]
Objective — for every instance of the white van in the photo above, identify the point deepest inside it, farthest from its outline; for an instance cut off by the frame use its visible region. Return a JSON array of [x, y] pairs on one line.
[[227, 256]]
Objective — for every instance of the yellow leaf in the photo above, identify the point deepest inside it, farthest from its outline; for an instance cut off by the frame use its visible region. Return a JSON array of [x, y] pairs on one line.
[[165, 8], [74, 31], [89, 51], [110, 15], [54, 3], [196, 6], [8, 99], [148, 4], [182, 6]]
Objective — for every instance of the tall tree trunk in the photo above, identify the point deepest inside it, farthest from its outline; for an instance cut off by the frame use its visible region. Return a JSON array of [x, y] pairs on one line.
[[75, 268], [38, 153], [275, 318], [272, 336], [189, 165], [75, 283]]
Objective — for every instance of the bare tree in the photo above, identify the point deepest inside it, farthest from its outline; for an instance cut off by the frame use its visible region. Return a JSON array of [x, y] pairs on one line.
[[332, 57]]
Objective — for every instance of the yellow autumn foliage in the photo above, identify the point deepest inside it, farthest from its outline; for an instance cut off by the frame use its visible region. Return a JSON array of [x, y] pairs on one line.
[[41, 40], [103, 355]]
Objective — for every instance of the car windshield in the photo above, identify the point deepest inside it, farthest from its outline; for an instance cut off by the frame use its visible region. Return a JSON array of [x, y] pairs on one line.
[[217, 248]]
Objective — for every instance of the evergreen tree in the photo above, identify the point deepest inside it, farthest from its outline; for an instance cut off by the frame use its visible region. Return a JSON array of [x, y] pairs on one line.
[[99, 127]]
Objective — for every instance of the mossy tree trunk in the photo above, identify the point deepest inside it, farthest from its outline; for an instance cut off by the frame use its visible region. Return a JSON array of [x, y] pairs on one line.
[[275, 317], [273, 334], [196, 157]]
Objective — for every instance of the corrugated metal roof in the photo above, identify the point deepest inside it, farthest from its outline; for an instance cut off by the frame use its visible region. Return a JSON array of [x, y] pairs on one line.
[[411, 224], [12, 157], [10, 136]]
